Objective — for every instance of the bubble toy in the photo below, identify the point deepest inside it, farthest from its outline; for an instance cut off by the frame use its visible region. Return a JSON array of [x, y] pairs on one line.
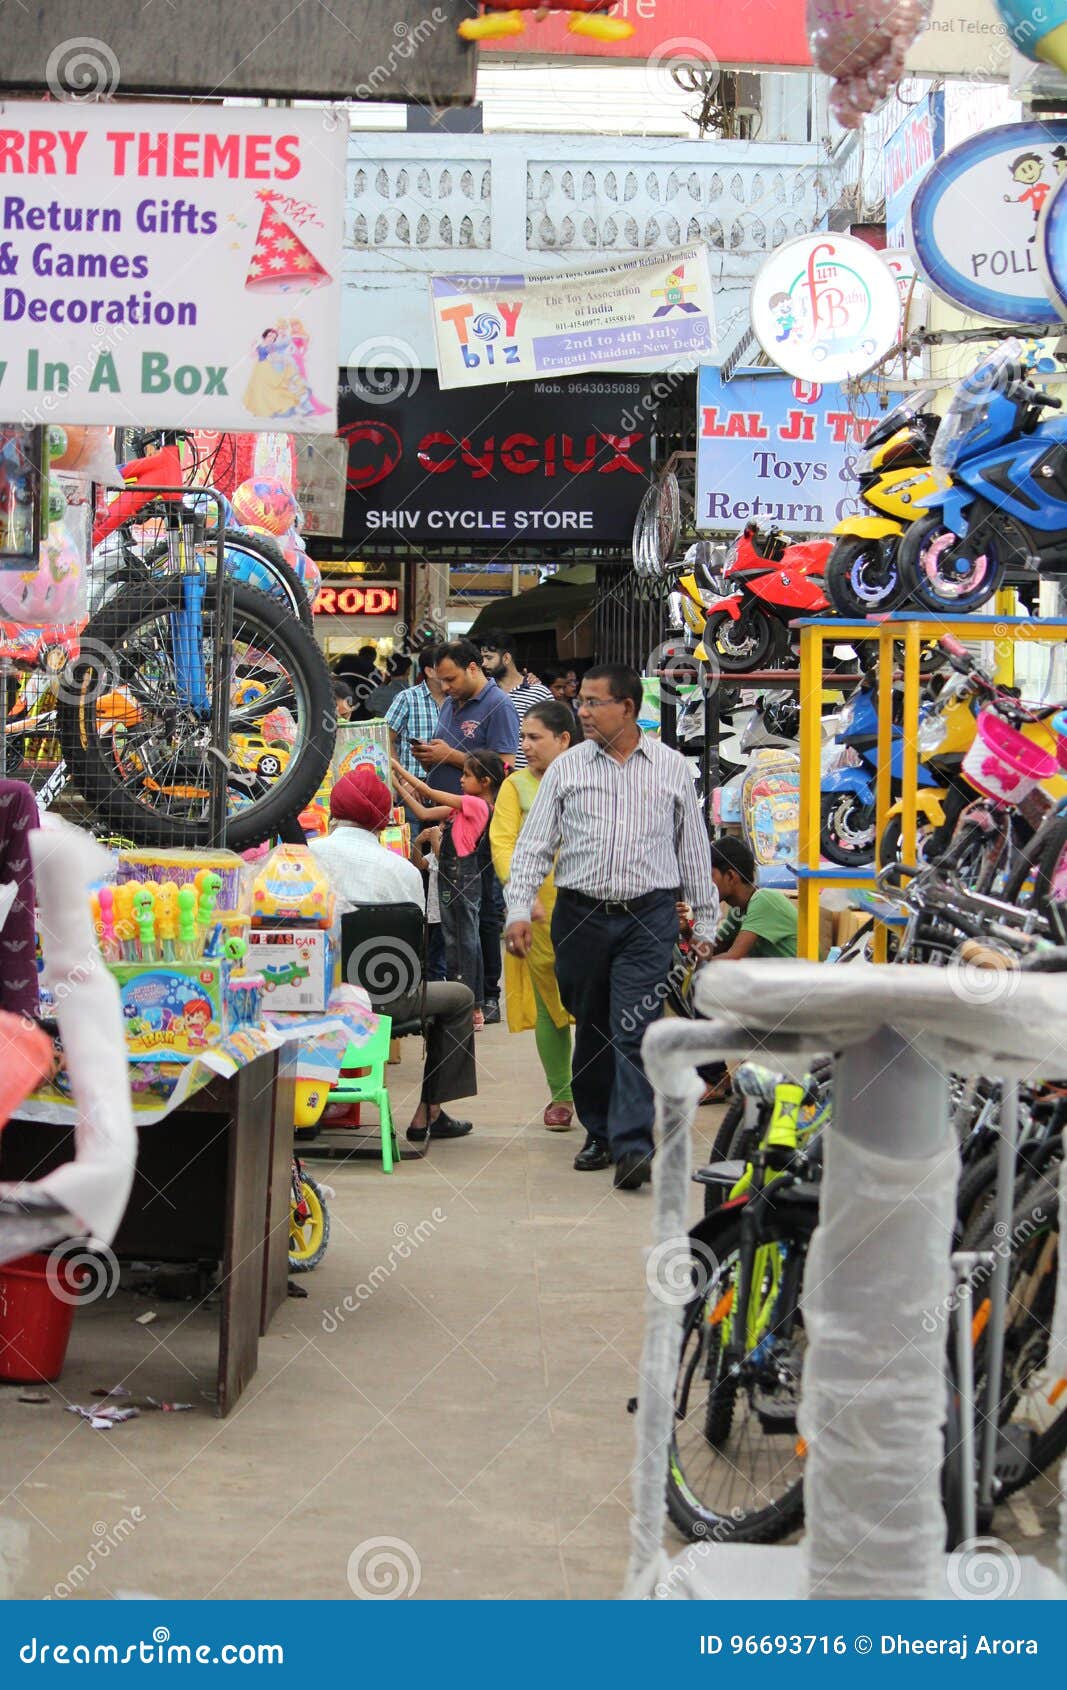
[[863, 45]]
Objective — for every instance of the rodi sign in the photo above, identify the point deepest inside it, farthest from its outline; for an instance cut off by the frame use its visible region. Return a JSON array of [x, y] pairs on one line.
[[775, 451], [975, 216]]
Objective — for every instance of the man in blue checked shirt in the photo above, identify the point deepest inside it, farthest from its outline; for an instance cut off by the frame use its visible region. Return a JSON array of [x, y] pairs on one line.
[[413, 713], [622, 813]]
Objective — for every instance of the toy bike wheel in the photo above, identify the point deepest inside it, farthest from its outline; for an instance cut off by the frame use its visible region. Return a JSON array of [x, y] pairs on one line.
[[309, 1234], [944, 573], [142, 757], [863, 576], [739, 646]]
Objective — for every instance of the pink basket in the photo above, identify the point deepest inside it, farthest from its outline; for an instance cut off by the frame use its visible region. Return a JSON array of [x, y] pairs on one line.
[[1002, 763]]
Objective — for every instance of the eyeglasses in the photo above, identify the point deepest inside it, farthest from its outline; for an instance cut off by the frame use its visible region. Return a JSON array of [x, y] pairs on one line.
[[586, 703]]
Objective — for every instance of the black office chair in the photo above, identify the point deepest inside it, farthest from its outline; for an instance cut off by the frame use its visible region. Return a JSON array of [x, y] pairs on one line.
[[383, 949]]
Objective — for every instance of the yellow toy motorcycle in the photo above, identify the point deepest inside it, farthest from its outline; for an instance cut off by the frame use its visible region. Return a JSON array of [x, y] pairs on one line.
[[894, 478]]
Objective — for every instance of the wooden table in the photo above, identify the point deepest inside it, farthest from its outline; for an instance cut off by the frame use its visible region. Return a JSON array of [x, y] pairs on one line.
[[212, 1184]]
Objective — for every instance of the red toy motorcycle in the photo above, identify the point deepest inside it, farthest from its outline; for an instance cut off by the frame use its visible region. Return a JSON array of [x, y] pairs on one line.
[[767, 582]]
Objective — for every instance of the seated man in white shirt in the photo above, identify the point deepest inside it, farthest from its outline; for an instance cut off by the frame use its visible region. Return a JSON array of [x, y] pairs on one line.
[[364, 873]]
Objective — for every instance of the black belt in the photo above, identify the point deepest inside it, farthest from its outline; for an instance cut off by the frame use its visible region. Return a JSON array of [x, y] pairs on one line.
[[619, 906]]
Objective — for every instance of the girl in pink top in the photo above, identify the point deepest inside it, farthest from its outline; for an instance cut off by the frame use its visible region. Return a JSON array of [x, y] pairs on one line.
[[466, 817]]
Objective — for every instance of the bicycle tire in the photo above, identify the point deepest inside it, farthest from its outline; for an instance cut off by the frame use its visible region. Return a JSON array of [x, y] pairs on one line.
[[1033, 1219], [696, 1518], [1040, 858], [269, 554], [725, 1149], [91, 758]]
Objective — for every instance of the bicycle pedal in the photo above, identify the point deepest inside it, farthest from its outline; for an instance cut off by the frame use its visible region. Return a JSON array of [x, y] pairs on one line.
[[1013, 1462]]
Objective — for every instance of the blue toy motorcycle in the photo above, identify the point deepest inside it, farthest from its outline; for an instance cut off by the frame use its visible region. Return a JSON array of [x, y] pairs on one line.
[[1007, 506], [847, 826]]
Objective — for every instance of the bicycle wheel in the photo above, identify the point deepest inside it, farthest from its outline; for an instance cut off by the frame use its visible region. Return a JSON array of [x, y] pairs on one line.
[[1033, 1434], [254, 560], [143, 758], [735, 1472], [1039, 878], [309, 1233]]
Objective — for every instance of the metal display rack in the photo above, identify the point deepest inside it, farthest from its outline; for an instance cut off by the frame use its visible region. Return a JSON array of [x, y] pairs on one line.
[[901, 637]]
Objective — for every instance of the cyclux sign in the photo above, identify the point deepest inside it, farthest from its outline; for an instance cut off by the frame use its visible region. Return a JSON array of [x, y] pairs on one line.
[[179, 265], [824, 307], [974, 220]]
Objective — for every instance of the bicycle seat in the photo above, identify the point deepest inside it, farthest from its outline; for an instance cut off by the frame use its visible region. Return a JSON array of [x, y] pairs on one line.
[[751, 1079], [719, 1173]]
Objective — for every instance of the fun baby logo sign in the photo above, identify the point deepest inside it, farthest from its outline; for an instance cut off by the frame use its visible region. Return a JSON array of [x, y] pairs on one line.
[[974, 220], [172, 267], [513, 328], [824, 307]]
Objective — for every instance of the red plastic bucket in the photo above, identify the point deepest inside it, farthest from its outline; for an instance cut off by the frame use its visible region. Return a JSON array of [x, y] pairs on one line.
[[36, 1315]]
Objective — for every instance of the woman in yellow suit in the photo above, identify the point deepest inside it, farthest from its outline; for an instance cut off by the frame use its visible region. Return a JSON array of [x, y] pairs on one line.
[[530, 983]]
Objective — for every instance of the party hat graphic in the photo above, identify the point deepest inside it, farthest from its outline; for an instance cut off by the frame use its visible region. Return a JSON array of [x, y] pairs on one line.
[[280, 260]]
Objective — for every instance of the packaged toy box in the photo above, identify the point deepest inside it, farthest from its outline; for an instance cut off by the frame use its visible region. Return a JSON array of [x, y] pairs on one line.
[[296, 964]]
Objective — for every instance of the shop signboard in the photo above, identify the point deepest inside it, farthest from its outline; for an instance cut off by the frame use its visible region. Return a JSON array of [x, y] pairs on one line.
[[962, 37], [361, 50], [544, 461], [497, 328], [824, 307], [178, 266], [974, 220], [908, 155], [775, 451], [340, 598], [1052, 247]]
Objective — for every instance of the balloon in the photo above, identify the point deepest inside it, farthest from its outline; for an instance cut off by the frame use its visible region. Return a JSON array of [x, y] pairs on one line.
[[264, 502], [863, 45]]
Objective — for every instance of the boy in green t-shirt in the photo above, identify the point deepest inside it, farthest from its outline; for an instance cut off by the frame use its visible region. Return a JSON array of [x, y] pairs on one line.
[[760, 922]]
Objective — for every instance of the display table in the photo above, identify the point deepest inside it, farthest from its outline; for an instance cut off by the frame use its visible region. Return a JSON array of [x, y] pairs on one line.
[[212, 1184]]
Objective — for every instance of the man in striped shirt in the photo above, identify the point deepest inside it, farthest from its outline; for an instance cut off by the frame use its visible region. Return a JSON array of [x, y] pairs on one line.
[[498, 661], [622, 813]]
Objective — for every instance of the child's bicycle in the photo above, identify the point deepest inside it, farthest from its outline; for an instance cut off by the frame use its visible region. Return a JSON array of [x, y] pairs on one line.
[[309, 1222]]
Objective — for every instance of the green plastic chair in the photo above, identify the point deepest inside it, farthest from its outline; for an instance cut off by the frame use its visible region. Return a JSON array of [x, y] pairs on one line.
[[371, 1087]]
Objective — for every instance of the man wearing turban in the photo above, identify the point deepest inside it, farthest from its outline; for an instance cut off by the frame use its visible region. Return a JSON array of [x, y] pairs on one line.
[[362, 872]]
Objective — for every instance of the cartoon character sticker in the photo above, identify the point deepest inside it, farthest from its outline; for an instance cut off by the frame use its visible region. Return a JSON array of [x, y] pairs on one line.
[[1027, 172]]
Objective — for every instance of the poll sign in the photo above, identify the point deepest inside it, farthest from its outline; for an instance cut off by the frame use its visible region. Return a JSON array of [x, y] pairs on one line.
[[775, 451], [974, 220], [515, 328], [176, 266]]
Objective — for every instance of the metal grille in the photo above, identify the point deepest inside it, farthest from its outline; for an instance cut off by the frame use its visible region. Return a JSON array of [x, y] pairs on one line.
[[629, 617]]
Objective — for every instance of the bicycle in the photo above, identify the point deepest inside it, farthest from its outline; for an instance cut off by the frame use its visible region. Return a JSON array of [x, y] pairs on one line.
[[136, 708]]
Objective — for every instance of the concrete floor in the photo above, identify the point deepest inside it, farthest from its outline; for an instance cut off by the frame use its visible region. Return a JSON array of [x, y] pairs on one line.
[[469, 1404]]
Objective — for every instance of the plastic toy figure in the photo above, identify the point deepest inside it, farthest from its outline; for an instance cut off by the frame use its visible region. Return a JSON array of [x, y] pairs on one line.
[[1038, 28], [505, 17]]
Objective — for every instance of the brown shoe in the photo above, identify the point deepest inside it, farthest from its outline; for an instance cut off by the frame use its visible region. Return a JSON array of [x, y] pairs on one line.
[[558, 1117]]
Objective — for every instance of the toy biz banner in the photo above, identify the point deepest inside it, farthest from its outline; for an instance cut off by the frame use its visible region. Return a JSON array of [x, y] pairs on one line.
[[540, 461], [775, 451], [512, 328], [171, 266]]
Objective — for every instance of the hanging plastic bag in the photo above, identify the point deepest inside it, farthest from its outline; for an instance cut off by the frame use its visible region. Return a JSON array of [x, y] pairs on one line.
[[43, 611]]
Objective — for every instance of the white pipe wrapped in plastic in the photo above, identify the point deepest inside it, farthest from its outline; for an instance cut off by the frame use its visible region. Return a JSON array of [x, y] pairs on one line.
[[875, 1304], [95, 1187]]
